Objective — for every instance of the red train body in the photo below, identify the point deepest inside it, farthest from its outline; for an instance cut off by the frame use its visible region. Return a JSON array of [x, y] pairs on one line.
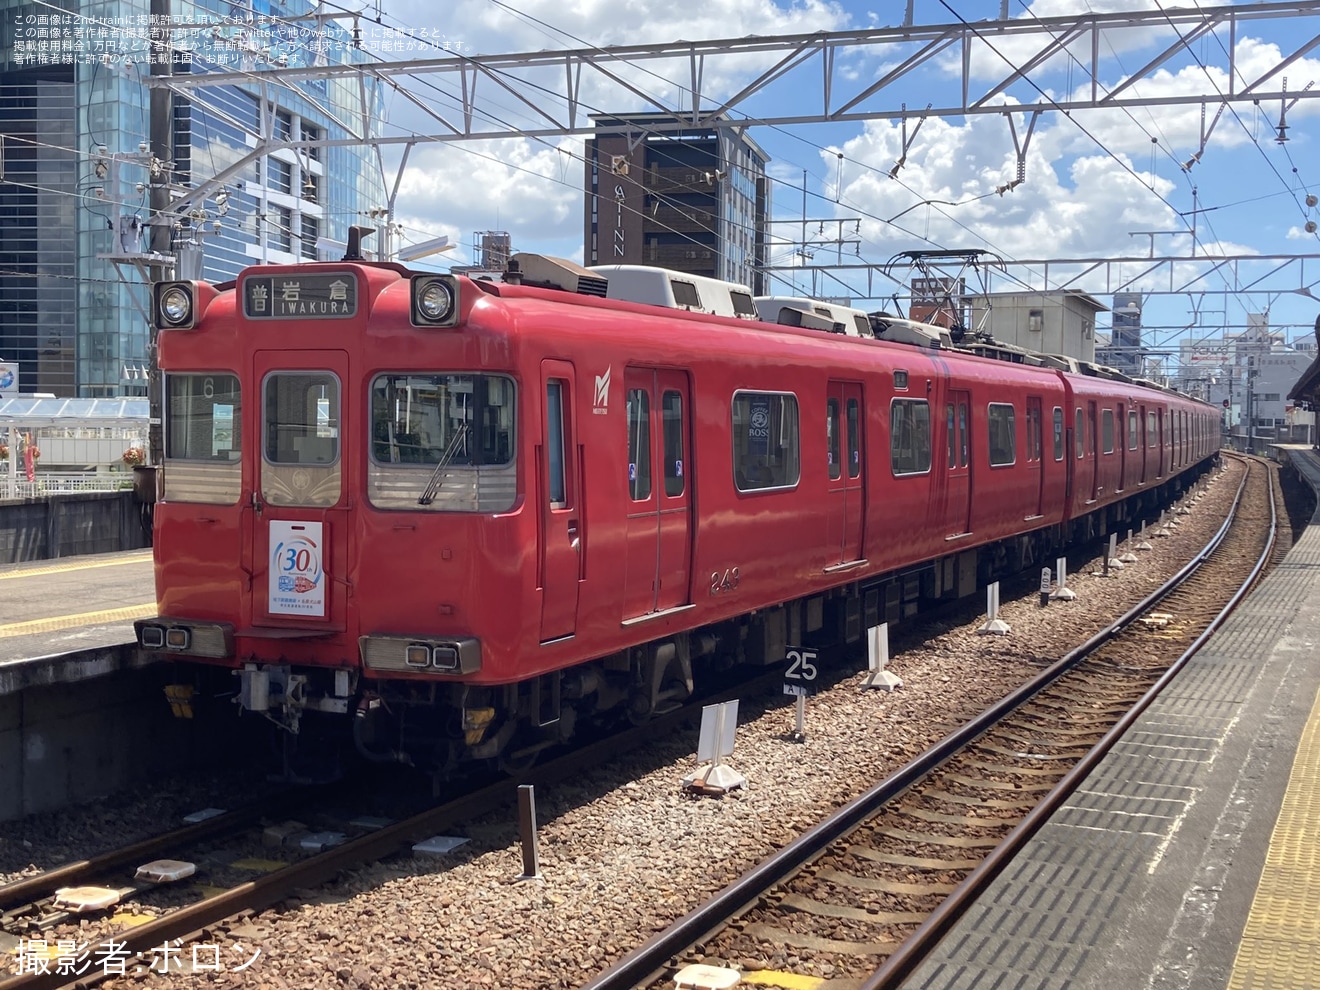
[[464, 532]]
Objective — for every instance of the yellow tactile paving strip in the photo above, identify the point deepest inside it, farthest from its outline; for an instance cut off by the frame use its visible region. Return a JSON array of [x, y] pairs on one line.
[[56, 622], [1280, 947], [74, 565]]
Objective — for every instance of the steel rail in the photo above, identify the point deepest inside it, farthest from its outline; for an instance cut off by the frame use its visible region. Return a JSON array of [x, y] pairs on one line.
[[308, 873], [917, 946], [21, 892], [645, 962]]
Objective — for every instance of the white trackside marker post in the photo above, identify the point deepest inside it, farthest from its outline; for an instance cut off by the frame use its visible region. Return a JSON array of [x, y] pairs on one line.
[[994, 626], [1061, 591], [1111, 560], [1129, 557], [877, 659], [718, 725], [1145, 543], [1044, 586]]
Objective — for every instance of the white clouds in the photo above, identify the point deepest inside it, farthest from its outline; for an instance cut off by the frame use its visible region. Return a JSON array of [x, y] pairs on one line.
[[1085, 207], [451, 187], [528, 189]]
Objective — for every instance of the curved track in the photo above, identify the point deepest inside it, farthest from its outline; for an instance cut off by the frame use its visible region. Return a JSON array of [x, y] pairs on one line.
[[880, 881]]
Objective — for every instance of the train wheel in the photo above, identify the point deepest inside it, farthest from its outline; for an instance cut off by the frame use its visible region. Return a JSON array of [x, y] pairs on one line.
[[514, 762]]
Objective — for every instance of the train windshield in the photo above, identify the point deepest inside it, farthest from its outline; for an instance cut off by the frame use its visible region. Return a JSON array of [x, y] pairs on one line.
[[203, 415], [460, 420]]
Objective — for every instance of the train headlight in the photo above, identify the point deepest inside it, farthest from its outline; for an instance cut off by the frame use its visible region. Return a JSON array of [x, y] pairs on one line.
[[197, 639], [446, 658], [174, 305], [405, 654], [434, 300]]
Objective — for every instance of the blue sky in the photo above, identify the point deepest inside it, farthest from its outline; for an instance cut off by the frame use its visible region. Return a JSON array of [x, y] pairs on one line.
[[1092, 178]]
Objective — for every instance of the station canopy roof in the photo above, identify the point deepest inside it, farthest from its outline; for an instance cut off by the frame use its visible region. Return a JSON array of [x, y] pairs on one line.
[[29, 412]]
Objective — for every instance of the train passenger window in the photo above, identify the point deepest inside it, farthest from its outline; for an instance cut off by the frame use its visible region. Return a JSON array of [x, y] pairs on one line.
[[832, 438], [203, 412], [671, 424], [1058, 433], [463, 420], [1003, 438], [1152, 437], [1079, 434], [1107, 431], [952, 436], [854, 438], [1132, 429], [302, 417], [765, 441], [909, 436], [639, 444]]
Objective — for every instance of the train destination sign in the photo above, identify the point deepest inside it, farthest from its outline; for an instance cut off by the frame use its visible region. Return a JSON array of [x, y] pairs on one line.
[[295, 296]]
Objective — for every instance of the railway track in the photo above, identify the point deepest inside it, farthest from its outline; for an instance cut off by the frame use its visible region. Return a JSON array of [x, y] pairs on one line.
[[27, 908], [861, 898]]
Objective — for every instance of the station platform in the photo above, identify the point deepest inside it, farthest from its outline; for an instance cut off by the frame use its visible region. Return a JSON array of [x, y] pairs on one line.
[[71, 619], [1190, 858]]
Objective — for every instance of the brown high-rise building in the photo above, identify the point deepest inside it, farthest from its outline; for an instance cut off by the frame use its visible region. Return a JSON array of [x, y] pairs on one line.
[[693, 200]]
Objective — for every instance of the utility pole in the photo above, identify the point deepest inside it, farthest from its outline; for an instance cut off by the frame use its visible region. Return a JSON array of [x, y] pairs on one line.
[[162, 152], [1251, 360]]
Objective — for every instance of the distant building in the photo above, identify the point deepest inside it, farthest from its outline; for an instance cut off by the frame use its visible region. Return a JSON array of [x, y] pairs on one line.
[[74, 110], [694, 200], [1124, 351], [1045, 322], [1275, 418], [1226, 371]]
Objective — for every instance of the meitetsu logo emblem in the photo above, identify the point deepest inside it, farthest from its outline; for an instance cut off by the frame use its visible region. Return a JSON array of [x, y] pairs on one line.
[[601, 405]]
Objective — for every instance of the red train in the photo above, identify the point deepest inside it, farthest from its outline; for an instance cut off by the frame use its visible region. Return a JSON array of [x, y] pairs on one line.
[[463, 515]]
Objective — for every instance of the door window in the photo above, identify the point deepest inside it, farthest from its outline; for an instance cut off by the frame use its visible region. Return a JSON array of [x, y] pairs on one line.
[[832, 438], [671, 415], [639, 444], [854, 438], [302, 418], [554, 433]]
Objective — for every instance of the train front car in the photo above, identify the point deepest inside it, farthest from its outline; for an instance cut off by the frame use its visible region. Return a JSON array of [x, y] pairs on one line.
[[340, 451]]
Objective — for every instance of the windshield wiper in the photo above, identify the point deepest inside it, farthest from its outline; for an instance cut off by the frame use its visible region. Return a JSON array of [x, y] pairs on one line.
[[433, 486]]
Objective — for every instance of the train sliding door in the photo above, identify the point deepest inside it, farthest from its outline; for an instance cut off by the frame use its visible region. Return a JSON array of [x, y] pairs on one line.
[[559, 522], [659, 495], [299, 511], [847, 477], [958, 473]]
